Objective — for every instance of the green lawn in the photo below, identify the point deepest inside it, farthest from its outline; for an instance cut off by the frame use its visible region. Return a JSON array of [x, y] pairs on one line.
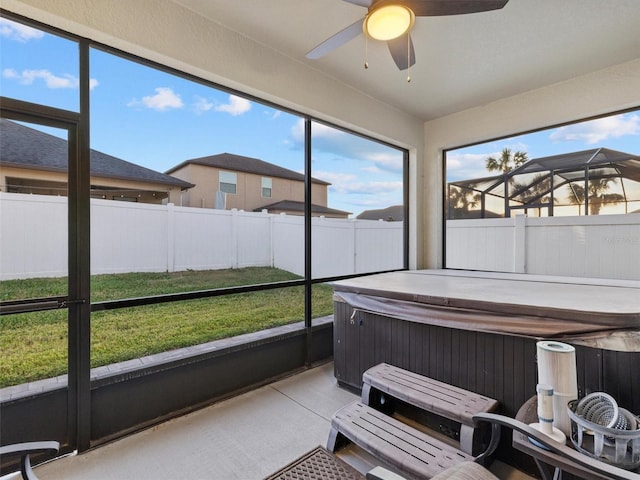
[[34, 345]]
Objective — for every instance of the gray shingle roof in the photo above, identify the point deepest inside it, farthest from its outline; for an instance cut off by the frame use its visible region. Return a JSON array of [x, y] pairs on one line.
[[294, 206], [395, 213], [240, 163], [24, 147]]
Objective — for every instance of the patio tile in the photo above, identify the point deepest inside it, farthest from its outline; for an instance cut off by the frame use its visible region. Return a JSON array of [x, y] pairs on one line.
[[244, 438]]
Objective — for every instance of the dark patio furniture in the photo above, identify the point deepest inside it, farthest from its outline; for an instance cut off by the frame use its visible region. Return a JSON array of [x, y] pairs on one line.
[[550, 463], [556, 454], [24, 450]]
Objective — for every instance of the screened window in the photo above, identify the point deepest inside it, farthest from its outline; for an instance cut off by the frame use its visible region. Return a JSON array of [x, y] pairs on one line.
[[228, 182], [547, 173], [183, 252], [357, 202], [531, 203], [266, 187], [39, 67], [175, 185]]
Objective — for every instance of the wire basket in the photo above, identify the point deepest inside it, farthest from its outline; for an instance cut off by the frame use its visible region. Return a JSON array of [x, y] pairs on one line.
[[602, 430], [599, 408]]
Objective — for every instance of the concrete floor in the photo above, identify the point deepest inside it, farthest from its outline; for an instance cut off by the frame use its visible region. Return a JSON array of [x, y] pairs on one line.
[[247, 437]]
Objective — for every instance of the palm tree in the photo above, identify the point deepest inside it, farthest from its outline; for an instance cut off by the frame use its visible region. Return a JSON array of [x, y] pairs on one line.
[[507, 161], [576, 195], [537, 189], [462, 201], [597, 194]]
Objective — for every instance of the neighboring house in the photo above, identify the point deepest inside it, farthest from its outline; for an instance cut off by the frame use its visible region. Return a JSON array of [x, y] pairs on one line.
[[394, 213], [35, 162], [227, 181]]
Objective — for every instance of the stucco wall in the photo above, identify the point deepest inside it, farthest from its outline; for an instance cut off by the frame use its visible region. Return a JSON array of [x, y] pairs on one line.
[[57, 185], [598, 93], [248, 194]]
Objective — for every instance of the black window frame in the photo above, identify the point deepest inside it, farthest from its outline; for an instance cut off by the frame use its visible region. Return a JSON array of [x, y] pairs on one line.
[[79, 350]]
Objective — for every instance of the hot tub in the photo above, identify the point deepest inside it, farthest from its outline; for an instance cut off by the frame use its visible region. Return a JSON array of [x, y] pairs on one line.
[[478, 330]]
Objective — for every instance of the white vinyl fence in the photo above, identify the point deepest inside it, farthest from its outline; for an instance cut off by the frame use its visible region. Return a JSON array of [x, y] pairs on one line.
[[598, 246], [136, 237]]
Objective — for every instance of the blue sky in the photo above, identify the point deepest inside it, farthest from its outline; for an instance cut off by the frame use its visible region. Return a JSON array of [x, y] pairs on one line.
[[618, 132], [158, 120]]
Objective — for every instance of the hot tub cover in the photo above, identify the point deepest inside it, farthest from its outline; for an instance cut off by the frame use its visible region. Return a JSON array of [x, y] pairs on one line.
[[516, 304]]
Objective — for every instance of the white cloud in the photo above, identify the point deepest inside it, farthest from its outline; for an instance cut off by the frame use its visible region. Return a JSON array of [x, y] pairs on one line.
[[345, 183], [319, 131], [375, 188], [297, 133], [236, 106], [164, 99], [18, 32], [374, 203], [324, 131], [202, 105], [325, 138], [346, 145], [28, 77], [334, 178], [596, 131], [464, 166], [390, 161]]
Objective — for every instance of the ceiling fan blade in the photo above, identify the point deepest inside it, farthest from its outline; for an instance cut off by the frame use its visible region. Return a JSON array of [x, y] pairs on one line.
[[403, 55], [434, 8], [337, 40], [362, 3]]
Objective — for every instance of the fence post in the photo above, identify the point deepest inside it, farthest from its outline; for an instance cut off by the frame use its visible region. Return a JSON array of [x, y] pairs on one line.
[[234, 238], [354, 227], [520, 243], [272, 253], [171, 237]]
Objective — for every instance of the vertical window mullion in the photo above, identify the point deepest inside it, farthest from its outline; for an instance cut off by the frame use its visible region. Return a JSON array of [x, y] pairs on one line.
[[308, 312], [79, 268]]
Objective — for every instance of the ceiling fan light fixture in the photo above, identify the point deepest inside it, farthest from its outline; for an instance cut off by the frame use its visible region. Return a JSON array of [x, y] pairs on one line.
[[388, 22]]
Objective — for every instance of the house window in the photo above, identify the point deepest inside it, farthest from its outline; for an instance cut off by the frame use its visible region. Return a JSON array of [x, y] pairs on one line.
[[266, 187], [228, 182]]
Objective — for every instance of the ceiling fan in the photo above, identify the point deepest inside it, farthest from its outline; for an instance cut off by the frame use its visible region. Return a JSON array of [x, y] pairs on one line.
[[392, 20]]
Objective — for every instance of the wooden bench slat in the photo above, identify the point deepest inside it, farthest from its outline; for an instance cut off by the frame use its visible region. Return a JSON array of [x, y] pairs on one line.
[[433, 396], [428, 394], [393, 441]]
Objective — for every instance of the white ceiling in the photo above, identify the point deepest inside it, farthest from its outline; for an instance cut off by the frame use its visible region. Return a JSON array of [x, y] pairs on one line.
[[461, 61]]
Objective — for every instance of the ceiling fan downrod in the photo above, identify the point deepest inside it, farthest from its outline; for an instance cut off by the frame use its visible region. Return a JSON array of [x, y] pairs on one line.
[[366, 52], [408, 58]]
